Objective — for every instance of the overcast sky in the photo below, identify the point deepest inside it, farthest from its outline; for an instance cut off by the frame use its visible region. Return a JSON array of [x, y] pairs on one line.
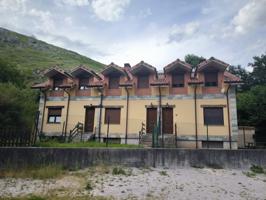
[[155, 31]]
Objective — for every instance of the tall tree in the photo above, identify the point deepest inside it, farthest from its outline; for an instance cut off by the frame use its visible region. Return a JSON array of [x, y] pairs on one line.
[[259, 70], [194, 60]]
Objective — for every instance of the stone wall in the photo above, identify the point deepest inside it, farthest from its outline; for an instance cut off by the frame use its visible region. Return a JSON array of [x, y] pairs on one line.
[[74, 158]]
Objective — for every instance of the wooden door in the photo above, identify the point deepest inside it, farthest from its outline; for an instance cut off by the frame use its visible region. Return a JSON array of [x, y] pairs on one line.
[[167, 120], [151, 119], [89, 119]]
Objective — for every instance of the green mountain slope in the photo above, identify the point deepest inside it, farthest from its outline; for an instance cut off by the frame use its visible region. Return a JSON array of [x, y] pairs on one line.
[[29, 53]]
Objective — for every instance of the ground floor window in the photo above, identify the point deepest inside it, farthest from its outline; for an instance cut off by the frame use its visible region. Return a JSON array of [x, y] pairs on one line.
[[54, 115], [213, 116], [212, 144], [113, 114], [112, 140]]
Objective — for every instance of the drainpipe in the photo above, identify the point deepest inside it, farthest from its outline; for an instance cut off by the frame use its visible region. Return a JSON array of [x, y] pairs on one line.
[[160, 116], [68, 102], [196, 116], [100, 120], [127, 114], [43, 111], [228, 113]]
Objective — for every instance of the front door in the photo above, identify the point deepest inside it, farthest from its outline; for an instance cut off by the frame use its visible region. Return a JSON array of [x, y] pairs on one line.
[[151, 119], [167, 120], [89, 119]]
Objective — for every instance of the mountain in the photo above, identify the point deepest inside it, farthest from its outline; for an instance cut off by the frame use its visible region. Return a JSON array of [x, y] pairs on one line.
[[30, 53]]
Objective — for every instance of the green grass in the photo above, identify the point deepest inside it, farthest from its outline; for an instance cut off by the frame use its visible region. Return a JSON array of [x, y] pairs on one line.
[[257, 169], [92, 144], [45, 172]]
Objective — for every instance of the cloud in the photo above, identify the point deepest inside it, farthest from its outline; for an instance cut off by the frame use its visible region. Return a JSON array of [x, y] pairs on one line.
[[13, 5], [250, 17], [179, 32], [109, 10], [72, 2], [44, 20]]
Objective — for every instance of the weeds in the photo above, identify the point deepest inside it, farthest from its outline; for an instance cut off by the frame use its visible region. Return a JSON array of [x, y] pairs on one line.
[[45, 172], [250, 174], [257, 169], [163, 173], [118, 171], [89, 186]]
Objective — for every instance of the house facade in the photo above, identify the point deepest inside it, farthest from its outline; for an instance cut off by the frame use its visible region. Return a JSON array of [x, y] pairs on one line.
[[196, 105]]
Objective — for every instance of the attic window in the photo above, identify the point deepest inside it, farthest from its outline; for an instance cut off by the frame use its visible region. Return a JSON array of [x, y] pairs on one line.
[[114, 82], [83, 83], [57, 83], [143, 81], [211, 79], [178, 80]]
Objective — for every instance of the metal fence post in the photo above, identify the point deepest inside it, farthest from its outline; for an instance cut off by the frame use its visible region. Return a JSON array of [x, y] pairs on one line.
[[175, 136], [108, 121]]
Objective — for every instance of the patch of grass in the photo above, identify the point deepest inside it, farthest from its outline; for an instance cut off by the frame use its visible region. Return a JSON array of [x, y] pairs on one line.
[[91, 144], [257, 169], [45, 172], [99, 169], [89, 186], [54, 197], [163, 173], [118, 171], [250, 174]]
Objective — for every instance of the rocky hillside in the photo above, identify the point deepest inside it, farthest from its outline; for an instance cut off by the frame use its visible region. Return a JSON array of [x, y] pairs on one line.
[[28, 53]]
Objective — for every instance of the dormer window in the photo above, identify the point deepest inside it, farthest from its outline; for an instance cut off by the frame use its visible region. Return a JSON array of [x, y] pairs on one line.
[[143, 81], [83, 83], [114, 82], [211, 79], [57, 83], [178, 80]]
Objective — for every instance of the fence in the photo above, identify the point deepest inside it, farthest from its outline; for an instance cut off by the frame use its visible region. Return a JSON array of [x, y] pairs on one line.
[[17, 137]]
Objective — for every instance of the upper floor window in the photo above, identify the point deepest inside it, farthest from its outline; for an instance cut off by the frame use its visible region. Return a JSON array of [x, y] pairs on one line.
[[57, 83], [114, 82], [211, 79], [54, 115], [213, 116], [178, 80], [83, 83], [143, 81]]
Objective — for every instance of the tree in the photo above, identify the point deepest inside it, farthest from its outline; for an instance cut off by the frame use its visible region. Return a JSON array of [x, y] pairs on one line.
[[244, 75], [259, 70], [193, 59]]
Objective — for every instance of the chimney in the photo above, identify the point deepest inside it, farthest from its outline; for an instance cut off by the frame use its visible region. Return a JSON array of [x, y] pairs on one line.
[[127, 66]]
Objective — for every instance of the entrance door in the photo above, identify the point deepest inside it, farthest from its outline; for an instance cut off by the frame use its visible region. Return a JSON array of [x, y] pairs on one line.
[[167, 120], [89, 119], [151, 119]]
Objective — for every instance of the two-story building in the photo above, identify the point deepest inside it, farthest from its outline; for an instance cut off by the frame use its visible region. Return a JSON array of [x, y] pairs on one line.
[[197, 105]]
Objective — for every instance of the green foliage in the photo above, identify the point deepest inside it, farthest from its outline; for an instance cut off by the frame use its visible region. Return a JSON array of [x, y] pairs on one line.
[[259, 70], [257, 169], [29, 53], [163, 173], [193, 59], [118, 171], [89, 186], [45, 172]]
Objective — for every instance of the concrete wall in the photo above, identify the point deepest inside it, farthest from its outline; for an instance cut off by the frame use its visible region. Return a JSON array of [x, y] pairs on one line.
[[84, 157]]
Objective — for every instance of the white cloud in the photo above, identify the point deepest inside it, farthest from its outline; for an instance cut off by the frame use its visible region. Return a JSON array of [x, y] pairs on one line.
[[109, 10], [44, 20], [179, 32], [13, 5], [72, 2], [251, 16]]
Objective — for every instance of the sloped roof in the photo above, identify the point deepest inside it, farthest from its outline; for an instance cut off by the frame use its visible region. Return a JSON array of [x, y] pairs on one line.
[[212, 62], [142, 65], [56, 70], [177, 64], [83, 69], [231, 78], [111, 68]]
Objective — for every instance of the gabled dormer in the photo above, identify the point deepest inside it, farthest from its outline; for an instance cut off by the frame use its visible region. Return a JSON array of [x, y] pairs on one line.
[[178, 73], [143, 75], [58, 81], [84, 78], [211, 72], [113, 74]]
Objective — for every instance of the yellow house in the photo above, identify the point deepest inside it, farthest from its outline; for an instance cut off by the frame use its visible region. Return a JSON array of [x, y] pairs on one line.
[[194, 107]]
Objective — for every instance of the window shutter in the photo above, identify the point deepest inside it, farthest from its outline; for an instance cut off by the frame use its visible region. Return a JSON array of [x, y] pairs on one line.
[[178, 80], [54, 111], [213, 116], [84, 81], [143, 82], [113, 114], [114, 82], [58, 82], [211, 78]]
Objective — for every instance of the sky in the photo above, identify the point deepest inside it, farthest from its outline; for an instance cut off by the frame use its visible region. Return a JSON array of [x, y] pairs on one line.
[[157, 32]]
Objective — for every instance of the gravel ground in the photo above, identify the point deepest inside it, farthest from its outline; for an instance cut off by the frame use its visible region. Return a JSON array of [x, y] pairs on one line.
[[151, 183]]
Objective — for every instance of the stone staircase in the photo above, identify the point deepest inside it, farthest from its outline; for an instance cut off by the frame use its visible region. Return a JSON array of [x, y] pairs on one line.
[[85, 137], [169, 141]]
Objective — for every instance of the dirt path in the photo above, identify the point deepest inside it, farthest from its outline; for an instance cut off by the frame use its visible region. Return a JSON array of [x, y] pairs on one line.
[[154, 183]]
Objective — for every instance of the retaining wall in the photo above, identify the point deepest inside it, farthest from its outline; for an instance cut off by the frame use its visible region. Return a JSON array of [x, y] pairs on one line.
[[84, 157]]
